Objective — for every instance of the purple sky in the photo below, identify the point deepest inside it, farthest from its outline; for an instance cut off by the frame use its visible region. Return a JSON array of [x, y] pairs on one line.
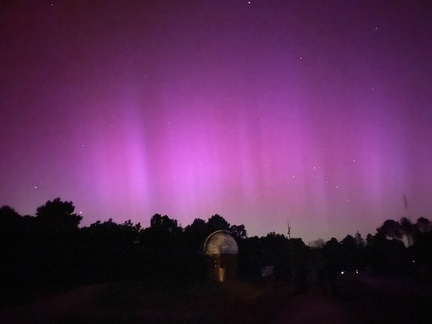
[[315, 111]]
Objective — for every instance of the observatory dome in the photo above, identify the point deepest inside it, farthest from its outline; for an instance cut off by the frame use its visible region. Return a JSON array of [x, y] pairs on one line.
[[220, 242]]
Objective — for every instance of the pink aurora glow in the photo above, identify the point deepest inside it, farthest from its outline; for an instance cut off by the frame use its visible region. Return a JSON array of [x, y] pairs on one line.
[[258, 112]]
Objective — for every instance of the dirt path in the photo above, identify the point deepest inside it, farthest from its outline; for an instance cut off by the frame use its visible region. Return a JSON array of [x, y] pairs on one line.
[[316, 306], [367, 300], [51, 309]]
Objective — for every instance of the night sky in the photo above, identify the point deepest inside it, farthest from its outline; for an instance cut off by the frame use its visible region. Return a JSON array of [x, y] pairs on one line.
[[261, 111]]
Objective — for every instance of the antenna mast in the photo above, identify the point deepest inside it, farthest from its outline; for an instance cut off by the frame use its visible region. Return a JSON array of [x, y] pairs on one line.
[[289, 230]]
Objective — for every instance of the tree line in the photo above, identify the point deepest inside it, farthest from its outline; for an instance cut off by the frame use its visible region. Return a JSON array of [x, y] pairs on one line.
[[50, 249]]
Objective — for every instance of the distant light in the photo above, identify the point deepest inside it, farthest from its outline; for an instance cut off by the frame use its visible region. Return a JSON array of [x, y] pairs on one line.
[[413, 261], [357, 271], [342, 272]]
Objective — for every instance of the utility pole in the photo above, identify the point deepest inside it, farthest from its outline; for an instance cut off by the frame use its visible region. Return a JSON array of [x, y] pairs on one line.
[[289, 230]]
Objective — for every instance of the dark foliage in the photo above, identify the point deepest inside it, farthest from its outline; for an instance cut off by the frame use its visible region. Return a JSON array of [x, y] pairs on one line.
[[50, 251]]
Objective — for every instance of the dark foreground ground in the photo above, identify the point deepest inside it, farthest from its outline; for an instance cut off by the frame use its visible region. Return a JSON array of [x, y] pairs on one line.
[[360, 299]]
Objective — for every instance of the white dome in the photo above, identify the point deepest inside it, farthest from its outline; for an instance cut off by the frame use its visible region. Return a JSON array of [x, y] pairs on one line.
[[220, 242]]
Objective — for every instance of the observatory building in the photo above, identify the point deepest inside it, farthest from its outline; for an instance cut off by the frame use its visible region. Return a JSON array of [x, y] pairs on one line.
[[220, 251]]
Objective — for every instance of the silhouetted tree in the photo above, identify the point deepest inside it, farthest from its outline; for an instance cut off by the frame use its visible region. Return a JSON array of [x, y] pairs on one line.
[[10, 222], [113, 233], [422, 247], [250, 258], [360, 242], [349, 242], [408, 229], [370, 239], [113, 250], [198, 225], [163, 241], [276, 251], [332, 252], [388, 252], [194, 236], [196, 233], [317, 244], [164, 224], [349, 254], [163, 232], [7, 213], [58, 215], [238, 231], [423, 225], [390, 229], [217, 222], [298, 258]]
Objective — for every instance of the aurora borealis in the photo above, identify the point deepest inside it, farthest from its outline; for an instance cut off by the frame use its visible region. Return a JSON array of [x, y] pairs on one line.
[[314, 111]]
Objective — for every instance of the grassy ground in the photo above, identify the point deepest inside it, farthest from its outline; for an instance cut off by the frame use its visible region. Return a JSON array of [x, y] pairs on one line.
[[359, 300], [139, 302]]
